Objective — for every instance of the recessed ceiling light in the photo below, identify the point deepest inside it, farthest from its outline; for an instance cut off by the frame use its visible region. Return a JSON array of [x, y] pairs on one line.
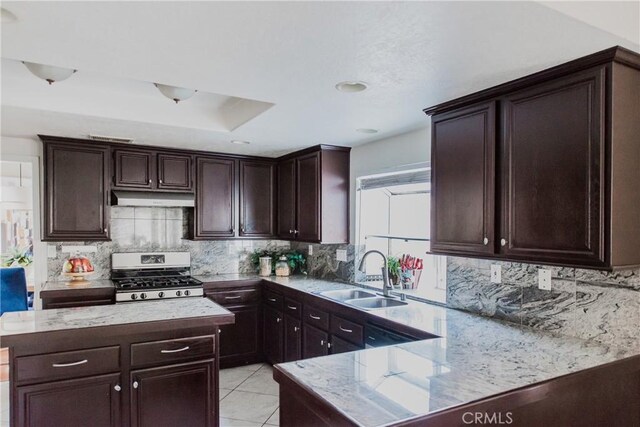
[[367, 130], [239, 142], [351, 86]]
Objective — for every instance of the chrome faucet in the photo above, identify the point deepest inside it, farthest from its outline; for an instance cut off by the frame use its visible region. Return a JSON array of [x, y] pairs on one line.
[[386, 285]]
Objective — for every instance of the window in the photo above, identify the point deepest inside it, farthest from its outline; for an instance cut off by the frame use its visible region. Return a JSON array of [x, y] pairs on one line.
[[394, 218]]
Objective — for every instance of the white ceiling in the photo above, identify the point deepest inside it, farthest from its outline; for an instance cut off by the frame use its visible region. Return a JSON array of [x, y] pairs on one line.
[[291, 54]]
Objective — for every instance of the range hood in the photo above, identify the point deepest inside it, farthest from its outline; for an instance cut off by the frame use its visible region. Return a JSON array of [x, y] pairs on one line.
[[140, 198]]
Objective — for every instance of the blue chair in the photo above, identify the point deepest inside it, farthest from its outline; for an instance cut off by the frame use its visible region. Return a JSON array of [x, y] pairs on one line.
[[13, 290]]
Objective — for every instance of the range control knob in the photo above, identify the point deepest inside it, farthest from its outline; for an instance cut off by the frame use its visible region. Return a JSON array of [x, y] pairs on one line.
[[187, 293], [178, 293], [143, 296], [160, 294], [134, 296]]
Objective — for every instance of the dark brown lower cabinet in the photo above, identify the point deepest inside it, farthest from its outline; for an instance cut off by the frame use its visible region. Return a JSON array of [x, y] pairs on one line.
[[273, 332], [240, 343], [315, 342], [178, 395], [338, 345], [292, 339], [71, 403]]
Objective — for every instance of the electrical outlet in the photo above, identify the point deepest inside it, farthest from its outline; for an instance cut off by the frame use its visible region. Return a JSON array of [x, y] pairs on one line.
[[310, 250], [341, 255], [51, 251], [544, 279], [496, 273]]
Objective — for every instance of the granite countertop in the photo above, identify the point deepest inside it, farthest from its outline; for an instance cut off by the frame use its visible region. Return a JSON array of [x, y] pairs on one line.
[[475, 358], [227, 277], [36, 321], [79, 284]]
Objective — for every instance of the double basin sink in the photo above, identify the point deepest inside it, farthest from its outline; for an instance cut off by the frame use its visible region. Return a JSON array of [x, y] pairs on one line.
[[361, 299]]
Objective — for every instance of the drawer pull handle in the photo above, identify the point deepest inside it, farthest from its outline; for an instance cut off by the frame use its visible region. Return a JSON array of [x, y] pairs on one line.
[[178, 350], [236, 297], [314, 317], [345, 330], [64, 365], [290, 307], [272, 299], [371, 338]]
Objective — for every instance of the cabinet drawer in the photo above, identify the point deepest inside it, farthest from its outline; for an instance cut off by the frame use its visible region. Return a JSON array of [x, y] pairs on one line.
[[348, 330], [68, 364], [149, 353], [273, 299], [235, 297], [293, 308], [318, 318]]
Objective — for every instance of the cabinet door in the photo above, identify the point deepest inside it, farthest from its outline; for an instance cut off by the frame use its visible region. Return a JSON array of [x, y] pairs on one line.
[[286, 199], [76, 186], [134, 169], [241, 339], [338, 345], [553, 171], [177, 395], [308, 198], [292, 339], [70, 403], [257, 199], [315, 342], [463, 181], [215, 200], [273, 335], [174, 172]]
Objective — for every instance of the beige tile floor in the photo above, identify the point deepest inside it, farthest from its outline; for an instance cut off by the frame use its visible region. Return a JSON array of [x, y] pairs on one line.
[[248, 397]]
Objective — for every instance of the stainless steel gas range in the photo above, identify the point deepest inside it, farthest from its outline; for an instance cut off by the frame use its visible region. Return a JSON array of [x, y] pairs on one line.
[[140, 276]]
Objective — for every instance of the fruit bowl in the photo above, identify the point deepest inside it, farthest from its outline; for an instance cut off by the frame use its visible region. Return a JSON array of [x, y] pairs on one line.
[[77, 267]]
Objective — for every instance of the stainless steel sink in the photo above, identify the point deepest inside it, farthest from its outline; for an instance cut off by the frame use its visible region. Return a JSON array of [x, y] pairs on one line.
[[347, 294], [374, 302]]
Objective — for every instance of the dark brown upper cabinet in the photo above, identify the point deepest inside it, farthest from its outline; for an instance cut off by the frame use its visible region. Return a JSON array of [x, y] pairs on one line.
[[76, 191], [174, 172], [564, 174], [134, 169], [257, 199], [144, 169], [214, 213], [313, 195], [462, 178]]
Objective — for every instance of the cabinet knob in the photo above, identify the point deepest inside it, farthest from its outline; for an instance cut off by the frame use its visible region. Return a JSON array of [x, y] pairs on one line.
[[278, 320], [135, 384], [219, 331], [105, 230], [242, 229], [160, 181], [485, 241], [503, 242], [296, 329], [290, 231], [149, 181], [328, 345], [295, 231], [322, 343], [117, 387]]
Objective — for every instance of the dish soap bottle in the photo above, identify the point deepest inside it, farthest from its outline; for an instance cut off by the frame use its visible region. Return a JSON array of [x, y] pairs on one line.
[[282, 267]]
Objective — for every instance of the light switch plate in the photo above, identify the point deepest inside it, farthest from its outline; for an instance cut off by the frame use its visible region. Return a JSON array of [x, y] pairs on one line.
[[496, 273], [310, 250], [341, 254], [544, 279], [51, 251]]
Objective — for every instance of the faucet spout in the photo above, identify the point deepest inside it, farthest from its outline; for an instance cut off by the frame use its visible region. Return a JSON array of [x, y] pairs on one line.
[[386, 285]]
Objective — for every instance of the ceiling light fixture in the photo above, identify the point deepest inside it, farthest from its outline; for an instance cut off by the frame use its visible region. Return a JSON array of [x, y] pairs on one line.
[[175, 93], [351, 86], [48, 72], [7, 16], [367, 130]]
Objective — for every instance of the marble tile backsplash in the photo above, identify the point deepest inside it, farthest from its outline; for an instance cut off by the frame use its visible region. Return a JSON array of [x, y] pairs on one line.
[[603, 306], [322, 264], [138, 229]]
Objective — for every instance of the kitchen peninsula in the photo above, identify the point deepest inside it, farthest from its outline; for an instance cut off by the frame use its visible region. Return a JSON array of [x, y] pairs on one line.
[[143, 364]]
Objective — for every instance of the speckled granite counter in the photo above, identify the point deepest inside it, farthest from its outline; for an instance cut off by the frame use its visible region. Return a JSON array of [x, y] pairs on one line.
[[80, 284], [476, 358], [227, 277], [37, 321]]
